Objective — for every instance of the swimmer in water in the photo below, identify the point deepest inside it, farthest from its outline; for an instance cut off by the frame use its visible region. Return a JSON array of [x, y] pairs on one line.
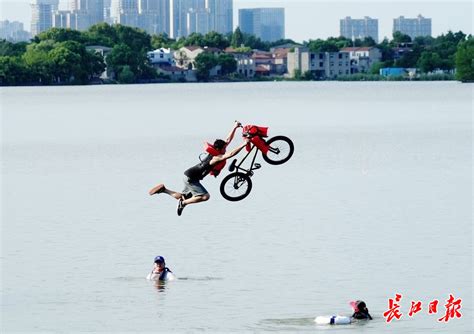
[[160, 272], [361, 312]]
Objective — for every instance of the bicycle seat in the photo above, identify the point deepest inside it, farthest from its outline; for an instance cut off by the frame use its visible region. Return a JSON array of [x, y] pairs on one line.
[[232, 165]]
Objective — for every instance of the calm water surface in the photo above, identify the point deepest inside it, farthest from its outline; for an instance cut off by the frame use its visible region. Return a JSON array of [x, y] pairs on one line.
[[377, 200]]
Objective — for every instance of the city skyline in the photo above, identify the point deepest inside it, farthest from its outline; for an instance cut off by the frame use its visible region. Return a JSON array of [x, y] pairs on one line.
[[307, 19]]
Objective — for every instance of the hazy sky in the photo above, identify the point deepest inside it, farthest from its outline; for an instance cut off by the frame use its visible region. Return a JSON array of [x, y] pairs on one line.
[[311, 19]]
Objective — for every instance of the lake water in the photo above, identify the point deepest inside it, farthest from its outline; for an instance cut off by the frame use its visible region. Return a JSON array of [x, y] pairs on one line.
[[377, 200]]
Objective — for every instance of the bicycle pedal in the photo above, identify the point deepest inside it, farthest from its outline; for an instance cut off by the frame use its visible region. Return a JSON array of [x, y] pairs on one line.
[[256, 166]]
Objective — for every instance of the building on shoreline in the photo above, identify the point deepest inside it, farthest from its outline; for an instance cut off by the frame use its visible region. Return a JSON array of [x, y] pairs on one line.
[[363, 58], [268, 24], [419, 26], [322, 65], [359, 28]]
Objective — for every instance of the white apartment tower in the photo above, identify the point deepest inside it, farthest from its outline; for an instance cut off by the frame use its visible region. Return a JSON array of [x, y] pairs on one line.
[[419, 26], [359, 28]]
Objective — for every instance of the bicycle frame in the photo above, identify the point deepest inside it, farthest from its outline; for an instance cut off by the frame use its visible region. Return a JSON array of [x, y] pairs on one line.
[[253, 165]]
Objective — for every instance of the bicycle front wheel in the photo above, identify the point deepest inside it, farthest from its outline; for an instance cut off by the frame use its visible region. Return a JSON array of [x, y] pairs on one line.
[[236, 186], [281, 149]]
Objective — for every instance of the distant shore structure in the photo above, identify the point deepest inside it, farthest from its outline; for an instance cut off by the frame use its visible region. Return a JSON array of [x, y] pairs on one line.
[[268, 24], [41, 15], [413, 27], [359, 28], [13, 31]]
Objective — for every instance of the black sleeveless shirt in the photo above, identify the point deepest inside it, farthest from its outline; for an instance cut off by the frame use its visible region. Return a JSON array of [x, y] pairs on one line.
[[199, 171]]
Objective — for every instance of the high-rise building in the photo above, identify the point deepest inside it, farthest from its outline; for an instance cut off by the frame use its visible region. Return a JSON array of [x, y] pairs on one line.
[[107, 6], [42, 15], [199, 21], [179, 15], [419, 26], [80, 14], [93, 9], [125, 12], [13, 31], [268, 24], [62, 19], [155, 16], [221, 12], [359, 28]]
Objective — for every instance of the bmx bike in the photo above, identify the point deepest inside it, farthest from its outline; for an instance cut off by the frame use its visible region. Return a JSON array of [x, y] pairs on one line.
[[275, 151]]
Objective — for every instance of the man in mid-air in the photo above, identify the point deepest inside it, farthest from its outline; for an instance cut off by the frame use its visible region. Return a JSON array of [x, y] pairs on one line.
[[194, 191]]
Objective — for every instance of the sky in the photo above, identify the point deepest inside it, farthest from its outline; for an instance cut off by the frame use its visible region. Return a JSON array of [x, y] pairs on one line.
[[312, 19]]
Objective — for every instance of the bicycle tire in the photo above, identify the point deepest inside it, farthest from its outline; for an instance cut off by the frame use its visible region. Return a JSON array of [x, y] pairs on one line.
[[287, 149], [236, 186]]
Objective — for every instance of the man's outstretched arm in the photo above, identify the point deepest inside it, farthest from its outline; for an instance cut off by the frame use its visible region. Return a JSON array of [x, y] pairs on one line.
[[237, 125], [228, 155]]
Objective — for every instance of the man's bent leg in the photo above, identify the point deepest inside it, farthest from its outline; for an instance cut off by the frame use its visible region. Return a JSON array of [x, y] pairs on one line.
[[196, 199]]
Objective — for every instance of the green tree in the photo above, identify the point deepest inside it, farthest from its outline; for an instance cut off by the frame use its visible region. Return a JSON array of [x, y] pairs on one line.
[[76, 62], [205, 61], [134, 38], [13, 71], [255, 43], [332, 44], [59, 35], [216, 40], [237, 38], [465, 60], [161, 41], [126, 75], [366, 42], [399, 37], [194, 39], [12, 49], [120, 56], [228, 63], [101, 34], [66, 64], [429, 61], [386, 50], [38, 61], [375, 69]]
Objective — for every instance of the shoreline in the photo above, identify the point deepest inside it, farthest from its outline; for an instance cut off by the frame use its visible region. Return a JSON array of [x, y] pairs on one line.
[[273, 79]]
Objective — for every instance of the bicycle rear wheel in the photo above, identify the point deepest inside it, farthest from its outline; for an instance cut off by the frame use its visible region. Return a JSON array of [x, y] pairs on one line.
[[236, 186], [281, 150]]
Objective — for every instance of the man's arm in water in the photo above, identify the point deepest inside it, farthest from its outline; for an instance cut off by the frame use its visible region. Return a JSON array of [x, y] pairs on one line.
[[222, 157], [231, 134]]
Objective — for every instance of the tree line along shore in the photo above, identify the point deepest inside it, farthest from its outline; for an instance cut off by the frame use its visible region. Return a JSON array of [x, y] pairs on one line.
[[68, 57]]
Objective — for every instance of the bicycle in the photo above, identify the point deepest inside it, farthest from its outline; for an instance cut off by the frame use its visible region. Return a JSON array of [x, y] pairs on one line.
[[275, 151]]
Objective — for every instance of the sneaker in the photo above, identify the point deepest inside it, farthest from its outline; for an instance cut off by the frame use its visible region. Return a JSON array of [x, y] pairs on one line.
[[157, 190], [179, 209]]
